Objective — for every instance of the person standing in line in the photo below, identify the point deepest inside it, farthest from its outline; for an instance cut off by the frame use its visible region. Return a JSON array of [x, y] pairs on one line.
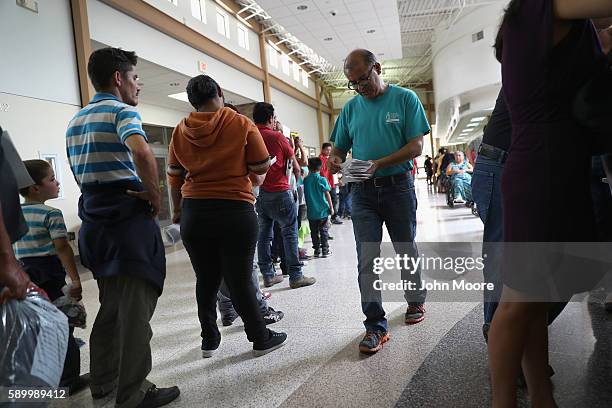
[[548, 50], [383, 124], [224, 301], [214, 206], [326, 149], [46, 255], [428, 170], [319, 207], [276, 203], [119, 239]]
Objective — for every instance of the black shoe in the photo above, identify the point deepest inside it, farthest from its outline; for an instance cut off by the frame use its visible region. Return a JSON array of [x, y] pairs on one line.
[[275, 341], [336, 221], [79, 384], [100, 395], [157, 397], [325, 253], [209, 347], [273, 316], [317, 253], [329, 237], [229, 318], [485, 331]]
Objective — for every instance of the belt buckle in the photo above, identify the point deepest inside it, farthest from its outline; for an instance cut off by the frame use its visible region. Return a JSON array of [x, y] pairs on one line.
[[376, 184]]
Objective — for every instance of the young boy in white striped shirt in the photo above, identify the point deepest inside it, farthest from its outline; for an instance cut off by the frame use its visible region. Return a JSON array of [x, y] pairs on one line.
[[46, 254]]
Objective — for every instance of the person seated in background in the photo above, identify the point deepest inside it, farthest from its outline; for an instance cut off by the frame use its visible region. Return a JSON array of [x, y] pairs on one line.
[[46, 255], [460, 173], [319, 207]]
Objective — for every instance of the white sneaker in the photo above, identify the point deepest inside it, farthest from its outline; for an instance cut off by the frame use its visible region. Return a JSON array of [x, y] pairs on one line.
[[459, 200]]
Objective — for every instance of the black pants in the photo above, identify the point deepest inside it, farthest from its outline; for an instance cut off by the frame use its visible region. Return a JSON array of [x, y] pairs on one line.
[[319, 234], [38, 269], [220, 238]]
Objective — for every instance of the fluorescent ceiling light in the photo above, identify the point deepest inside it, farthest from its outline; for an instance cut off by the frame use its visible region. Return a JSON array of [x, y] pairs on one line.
[[478, 119], [181, 96], [473, 124]]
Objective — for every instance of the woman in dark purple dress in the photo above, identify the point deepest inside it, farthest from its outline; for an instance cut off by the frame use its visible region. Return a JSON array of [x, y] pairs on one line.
[[548, 50]]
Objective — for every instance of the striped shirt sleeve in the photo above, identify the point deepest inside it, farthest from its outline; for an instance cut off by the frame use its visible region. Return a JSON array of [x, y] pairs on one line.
[[128, 123], [55, 224]]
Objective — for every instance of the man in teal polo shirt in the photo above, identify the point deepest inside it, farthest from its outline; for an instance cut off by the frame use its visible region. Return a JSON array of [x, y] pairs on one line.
[[383, 124]]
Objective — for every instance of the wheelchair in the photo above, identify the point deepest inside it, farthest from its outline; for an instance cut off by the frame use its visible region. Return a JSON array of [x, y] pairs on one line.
[[450, 196]]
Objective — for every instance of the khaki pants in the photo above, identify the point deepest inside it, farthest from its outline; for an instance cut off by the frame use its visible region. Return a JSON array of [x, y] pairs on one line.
[[120, 338]]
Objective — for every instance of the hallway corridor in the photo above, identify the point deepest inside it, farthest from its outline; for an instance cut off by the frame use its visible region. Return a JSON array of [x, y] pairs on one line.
[[441, 362]]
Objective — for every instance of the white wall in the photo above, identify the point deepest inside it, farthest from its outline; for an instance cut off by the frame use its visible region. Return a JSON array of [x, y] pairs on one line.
[[277, 72], [326, 129], [298, 116], [37, 52], [45, 134], [461, 65], [116, 29], [182, 13], [157, 115]]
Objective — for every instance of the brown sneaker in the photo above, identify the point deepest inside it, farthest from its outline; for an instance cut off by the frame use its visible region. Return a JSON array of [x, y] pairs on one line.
[[414, 314], [273, 281], [303, 281], [373, 341]]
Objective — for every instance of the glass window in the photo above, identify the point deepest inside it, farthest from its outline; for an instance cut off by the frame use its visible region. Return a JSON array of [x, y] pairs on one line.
[[272, 57], [305, 78], [155, 134], [285, 61], [198, 9], [243, 37], [223, 23], [296, 72]]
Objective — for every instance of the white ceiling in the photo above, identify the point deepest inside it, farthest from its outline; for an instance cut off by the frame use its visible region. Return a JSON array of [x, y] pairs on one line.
[[348, 29], [158, 82]]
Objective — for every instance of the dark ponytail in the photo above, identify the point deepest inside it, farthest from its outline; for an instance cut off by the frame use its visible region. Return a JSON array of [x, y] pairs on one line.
[[510, 12]]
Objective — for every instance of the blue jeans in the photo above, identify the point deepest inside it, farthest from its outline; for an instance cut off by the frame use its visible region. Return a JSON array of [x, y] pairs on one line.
[[395, 205], [486, 190], [344, 208], [280, 208]]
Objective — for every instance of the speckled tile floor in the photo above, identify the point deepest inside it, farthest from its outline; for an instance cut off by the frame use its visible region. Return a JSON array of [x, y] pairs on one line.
[[321, 366]]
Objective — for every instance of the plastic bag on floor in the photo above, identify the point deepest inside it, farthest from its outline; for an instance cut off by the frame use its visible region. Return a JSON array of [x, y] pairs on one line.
[[33, 341], [72, 308]]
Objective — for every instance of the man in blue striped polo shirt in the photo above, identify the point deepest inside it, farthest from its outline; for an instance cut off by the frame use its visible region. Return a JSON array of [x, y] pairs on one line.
[[119, 239]]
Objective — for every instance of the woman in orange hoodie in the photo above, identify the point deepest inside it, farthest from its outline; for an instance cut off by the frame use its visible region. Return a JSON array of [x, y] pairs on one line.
[[212, 154]]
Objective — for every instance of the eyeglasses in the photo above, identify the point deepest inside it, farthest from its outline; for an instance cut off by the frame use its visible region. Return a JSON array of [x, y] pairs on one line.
[[353, 85]]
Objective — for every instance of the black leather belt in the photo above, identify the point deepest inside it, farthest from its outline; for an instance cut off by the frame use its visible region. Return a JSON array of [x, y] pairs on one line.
[[492, 153], [386, 181]]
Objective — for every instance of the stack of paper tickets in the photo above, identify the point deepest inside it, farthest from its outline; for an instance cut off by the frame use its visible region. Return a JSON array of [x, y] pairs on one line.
[[355, 170]]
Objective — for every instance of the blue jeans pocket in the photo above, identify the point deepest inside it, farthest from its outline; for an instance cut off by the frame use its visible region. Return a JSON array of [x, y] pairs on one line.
[[482, 191]]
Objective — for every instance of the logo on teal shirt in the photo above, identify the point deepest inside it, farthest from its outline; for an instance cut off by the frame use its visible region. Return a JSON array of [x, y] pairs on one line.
[[392, 117]]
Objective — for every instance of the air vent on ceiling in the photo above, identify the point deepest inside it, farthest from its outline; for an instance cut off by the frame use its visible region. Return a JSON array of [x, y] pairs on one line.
[[464, 108], [478, 36]]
